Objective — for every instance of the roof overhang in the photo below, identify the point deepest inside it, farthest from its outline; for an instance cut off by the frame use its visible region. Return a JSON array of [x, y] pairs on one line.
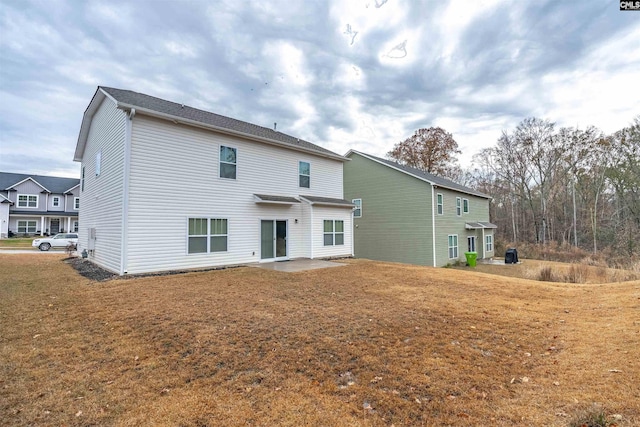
[[275, 200], [479, 225], [101, 94], [327, 201], [3, 199]]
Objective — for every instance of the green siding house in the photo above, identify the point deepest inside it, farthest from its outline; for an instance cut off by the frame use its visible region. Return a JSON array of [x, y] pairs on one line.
[[406, 215]]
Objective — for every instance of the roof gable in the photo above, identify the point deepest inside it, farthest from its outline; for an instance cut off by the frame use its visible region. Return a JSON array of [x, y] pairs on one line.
[[52, 184], [149, 105], [421, 175]]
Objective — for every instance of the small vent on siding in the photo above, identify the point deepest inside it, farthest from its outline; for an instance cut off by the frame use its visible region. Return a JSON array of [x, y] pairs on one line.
[[275, 125]]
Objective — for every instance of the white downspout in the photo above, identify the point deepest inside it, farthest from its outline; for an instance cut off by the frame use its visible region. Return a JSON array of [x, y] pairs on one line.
[[433, 224], [311, 214], [484, 245]]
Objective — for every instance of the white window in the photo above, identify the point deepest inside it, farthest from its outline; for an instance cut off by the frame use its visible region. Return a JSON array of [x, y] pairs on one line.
[[207, 235], [228, 162], [56, 202], [440, 204], [357, 212], [75, 226], [82, 180], [27, 226], [465, 205], [98, 162], [458, 206], [304, 174], [333, 232], [76, 203], [27, 201], [453, 246], [489, 243]]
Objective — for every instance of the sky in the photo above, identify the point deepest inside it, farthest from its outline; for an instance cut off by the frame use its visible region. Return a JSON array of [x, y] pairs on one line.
[[343, 74]]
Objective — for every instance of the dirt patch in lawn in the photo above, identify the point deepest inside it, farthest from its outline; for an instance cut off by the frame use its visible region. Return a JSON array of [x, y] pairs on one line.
[[367, 344]]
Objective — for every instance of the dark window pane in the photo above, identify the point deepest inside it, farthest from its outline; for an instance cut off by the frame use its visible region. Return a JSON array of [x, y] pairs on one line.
[[328, 226], [197, 245], [328, 239], [219, 244], [305, 181], [339, 239], [305, 168], [339, 226], [227, 171]]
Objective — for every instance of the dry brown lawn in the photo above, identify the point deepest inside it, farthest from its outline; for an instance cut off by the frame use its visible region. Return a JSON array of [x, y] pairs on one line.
[[369, 344]]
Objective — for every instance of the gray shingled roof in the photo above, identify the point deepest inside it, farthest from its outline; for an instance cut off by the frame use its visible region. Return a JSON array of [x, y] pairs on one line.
[[329, 201], [266, 198], [438, 181], [142, 101], [52, 183]]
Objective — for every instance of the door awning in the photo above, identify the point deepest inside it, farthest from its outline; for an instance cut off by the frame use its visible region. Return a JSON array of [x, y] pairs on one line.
[[275, 200], [327, 201], [479, 225]]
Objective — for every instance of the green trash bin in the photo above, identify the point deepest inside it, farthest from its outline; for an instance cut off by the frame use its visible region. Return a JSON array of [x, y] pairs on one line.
[[471, 258]]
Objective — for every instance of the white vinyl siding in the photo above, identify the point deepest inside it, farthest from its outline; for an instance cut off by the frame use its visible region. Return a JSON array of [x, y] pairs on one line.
[[27, 226], [104, 208], [357, 212], [29, 201], [304, 178], [179, 162], [453, 246]]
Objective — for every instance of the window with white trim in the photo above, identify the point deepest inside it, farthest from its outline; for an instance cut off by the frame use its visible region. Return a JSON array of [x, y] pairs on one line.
[[27, 201], [27, 226], [333, 232], [489, 243], [453, 246], [98, 162], [206, 235], [304, 174], [76, 203], [228, 162], [465, 206], [75, 226], [440, 203], [458, 206], [357, 212], [56, 202]]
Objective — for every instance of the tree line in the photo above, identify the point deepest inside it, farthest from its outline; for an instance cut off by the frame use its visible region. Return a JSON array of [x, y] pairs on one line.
[[575, 187]]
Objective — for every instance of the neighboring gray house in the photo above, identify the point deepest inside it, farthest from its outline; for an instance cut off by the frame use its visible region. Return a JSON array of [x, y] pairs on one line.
[[405, 215], [165, 186], [38, 205]]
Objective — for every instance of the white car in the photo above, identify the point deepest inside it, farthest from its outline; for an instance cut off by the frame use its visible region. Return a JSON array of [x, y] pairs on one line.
[[61, 240]]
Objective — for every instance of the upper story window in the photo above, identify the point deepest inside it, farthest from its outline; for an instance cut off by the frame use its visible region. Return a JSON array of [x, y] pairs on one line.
[[98, 162], [465, 205], [228, 162], [304, 174], [76, 203], [357, 212], [440, 204], [56, 202], [27, 201], [458, 206]]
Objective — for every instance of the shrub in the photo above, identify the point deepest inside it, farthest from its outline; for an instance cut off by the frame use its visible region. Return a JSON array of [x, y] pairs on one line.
[[577, 273], [546, 275], [594, 417]]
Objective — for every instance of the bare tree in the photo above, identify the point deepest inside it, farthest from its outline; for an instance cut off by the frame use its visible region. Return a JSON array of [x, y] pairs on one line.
[[432, 150]]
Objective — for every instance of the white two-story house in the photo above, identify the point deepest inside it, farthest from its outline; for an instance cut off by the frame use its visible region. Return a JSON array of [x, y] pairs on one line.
[[165, 186], [37, 205]]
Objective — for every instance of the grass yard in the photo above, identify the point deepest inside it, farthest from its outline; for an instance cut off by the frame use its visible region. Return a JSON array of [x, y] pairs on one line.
[[369, 344], [17, 242]]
